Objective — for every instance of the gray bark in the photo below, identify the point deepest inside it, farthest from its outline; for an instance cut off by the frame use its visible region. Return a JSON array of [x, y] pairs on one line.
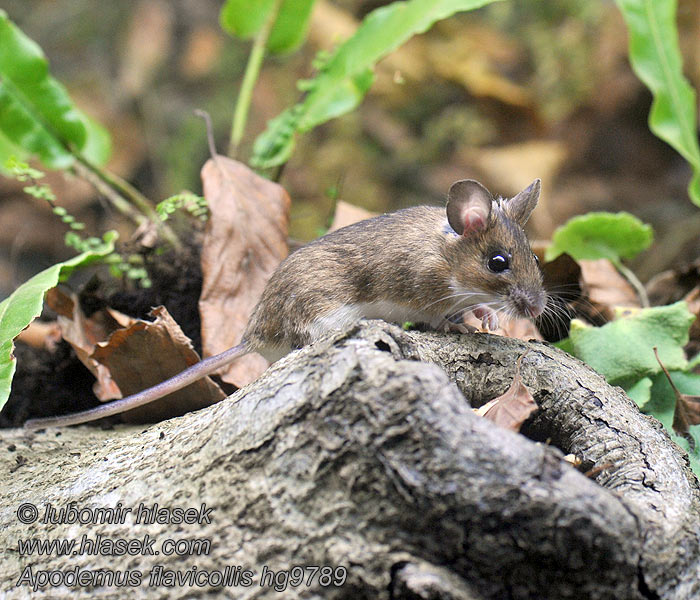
[[360, 451]]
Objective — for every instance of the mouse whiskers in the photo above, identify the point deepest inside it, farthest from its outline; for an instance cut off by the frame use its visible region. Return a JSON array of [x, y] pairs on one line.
[[556, 316], [459, 297]]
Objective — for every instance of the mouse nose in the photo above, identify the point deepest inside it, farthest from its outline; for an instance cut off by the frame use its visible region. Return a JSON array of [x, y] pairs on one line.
[[535, 310], [528, 303]]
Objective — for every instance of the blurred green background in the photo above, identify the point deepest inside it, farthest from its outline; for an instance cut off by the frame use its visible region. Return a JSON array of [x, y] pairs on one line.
[[504, 94]]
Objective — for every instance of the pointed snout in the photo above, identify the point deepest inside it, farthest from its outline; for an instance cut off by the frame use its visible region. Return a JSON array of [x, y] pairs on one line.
[[528, 303]]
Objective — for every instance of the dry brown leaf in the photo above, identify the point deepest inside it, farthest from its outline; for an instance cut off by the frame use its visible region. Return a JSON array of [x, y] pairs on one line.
[[245, 240], [692, 299], [562, 280], [347, 214], [513, 408], [83, 333], [680, 283], [670, 286], [605, 287], [522, 329], [687, 410], [561, 274], [147, 353], [41, 334], [591, 290], [127, 355]]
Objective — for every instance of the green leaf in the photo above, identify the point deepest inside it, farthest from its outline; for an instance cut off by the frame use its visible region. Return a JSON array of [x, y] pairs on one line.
[[244, 18], [9, 150], [339, 100], [345, 77], [24, 304], [622, 350], [601, 235], [36, 112], [274, 145], [694, 362], [291, 25], [640, 392], [663, 404], [98, 145], [656, 59]]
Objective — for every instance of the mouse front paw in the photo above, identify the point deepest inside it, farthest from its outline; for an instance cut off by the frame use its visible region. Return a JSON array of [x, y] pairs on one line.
[[489, 317], [455, 324]]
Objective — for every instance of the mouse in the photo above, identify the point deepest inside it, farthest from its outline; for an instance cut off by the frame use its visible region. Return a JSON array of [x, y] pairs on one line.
[[423, 264]]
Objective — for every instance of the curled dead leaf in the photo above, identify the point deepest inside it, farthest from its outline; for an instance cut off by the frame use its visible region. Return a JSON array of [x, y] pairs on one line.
[[83, 333], [590, 290], [41, 334], [687, 410], [605, 287], [511, 409], [127, 355], [245, 240], [522, 329], [146, 353], [692, 299]]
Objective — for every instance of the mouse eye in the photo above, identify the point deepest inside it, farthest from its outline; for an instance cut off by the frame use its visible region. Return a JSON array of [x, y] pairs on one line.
[[498, 262], [537, 258]]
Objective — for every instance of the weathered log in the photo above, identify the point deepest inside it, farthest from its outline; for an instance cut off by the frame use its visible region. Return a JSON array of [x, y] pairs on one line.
[[359, 453]]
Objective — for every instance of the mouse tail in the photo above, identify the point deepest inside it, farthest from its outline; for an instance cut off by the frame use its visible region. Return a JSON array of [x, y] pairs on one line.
[[175, 383]]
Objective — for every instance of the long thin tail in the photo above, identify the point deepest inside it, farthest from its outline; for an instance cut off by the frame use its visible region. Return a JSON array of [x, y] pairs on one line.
[[179, 381]]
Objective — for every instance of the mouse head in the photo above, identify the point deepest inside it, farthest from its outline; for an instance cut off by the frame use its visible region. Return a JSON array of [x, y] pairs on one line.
[[490, 252]]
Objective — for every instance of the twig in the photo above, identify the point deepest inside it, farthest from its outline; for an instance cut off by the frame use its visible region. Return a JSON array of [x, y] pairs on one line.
[[117, 201], [210, 131], [122, 194], [638, 286]]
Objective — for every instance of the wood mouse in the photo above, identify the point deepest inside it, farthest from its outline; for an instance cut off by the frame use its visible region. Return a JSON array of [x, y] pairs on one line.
[[421, 264]]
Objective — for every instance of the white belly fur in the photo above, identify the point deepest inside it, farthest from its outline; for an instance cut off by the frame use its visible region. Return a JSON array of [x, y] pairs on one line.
[[345, 316]]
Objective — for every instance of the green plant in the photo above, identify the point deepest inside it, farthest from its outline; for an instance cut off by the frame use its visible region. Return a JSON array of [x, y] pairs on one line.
[[130, 267], [625, 351], [344, 75], [277, 26], [604, 235], [38, 118], [21, 171], [24, 304], [643, 350], [36, 113], [656, 59], [192, 203], [630, 350]]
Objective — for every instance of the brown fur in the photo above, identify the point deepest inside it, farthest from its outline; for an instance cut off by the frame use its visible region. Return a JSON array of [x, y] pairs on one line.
[[408, 257]]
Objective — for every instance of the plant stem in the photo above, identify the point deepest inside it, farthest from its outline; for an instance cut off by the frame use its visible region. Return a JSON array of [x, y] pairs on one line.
[[638, 286], [117, 201], [252, 70], [125, 197]]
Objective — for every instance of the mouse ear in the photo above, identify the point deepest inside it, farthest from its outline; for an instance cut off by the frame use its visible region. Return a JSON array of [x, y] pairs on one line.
[[468, 206], [519, 207]]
